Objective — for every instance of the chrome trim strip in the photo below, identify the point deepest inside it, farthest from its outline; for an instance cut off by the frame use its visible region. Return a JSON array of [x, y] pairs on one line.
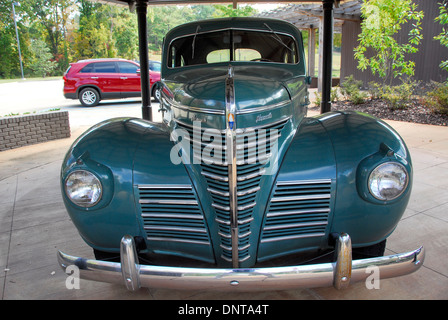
[[241, 235], [219, 193], [300, 198], [191, 126], [164, 186], [300, 182], [243, 193], [264, 108], [296, 225], [288, 213], [178, 240], [298, 236], [262, 126], [172, 215], [247, 279], [251, 175], [175, 104], [231, 160], [247, 206], [160, 201], [214, 176], [223, 208], [194, 230]]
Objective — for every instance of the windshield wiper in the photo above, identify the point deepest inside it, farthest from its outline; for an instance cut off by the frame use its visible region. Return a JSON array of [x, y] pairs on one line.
[[277, 37]]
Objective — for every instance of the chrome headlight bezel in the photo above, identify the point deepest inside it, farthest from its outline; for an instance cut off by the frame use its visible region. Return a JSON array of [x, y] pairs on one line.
[[393, 172], [91, 181]]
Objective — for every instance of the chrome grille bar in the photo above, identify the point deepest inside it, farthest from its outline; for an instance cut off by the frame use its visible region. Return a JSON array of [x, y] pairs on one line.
[[231, 160]]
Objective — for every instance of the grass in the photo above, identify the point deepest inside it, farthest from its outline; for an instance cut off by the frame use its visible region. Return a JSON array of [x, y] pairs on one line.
[[29, 79]]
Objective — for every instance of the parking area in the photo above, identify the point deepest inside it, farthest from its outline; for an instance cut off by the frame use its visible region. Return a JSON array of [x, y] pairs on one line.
[[34, 223]]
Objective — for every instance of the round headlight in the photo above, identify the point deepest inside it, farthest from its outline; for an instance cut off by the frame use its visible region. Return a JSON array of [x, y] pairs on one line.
[[388, 181], [83, 188]]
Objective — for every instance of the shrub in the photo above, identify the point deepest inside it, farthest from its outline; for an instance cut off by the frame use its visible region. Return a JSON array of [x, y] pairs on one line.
[[399, 96], [350, 88], [334, 96], [437, 99]]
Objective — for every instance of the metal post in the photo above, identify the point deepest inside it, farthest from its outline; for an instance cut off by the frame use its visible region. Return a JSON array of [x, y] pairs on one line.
[[142, 8], [327, 55], [17, 35]]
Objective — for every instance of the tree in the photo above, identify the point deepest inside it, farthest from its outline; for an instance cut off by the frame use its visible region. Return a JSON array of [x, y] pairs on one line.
[[443, 36], [229, 11], [383, 19], [42, 63]]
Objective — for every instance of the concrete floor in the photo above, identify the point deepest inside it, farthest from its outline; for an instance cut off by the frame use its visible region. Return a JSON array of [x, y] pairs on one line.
[[34, 225]]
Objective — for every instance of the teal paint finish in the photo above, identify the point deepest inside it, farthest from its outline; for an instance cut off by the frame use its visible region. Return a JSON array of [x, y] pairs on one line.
[[355, 138], [317, 185], [107, 150]]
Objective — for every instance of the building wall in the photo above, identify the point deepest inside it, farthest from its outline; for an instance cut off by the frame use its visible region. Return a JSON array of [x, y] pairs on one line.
[[24, 130], [427, 59]]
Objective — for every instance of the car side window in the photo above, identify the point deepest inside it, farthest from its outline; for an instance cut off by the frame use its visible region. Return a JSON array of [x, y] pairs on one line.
[[105, 67], [88, 68], [126, 67]]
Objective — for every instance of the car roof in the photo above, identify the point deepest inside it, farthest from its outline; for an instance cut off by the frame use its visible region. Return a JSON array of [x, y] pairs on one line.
[[103, 59]]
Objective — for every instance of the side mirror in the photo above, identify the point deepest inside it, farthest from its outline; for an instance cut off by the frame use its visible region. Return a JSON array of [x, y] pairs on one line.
[[138, 71]]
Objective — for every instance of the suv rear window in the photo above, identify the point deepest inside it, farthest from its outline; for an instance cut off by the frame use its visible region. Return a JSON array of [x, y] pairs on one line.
[[99, 67]]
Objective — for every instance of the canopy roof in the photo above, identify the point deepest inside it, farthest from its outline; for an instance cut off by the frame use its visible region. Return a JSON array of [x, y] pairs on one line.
[[186, 2]]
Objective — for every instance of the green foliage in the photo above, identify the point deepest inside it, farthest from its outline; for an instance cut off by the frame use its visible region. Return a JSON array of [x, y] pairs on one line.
[[382, 20], [84, 29], [41, 63], [399, 96], [443, 36], [396, 97], [334, 96], [437, 99], [350, 88]]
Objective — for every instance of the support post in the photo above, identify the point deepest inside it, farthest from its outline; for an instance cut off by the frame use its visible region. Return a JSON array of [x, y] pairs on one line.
[[311, 50], [142, 8], [327, 55]]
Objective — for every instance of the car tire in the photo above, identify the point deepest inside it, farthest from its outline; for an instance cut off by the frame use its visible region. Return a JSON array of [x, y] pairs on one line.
[[156, 93], [106, 256], [89, 97], [376, 250]]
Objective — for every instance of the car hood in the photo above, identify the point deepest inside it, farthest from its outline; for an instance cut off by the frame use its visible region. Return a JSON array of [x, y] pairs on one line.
[[205, 87]]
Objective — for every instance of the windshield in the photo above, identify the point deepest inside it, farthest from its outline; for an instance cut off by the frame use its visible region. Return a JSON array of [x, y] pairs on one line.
[[232, 45]]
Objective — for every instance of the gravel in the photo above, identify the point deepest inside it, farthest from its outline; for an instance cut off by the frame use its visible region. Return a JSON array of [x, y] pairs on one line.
[[415, 112]]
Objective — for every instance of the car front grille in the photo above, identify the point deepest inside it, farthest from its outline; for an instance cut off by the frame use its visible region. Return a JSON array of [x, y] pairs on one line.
[[298, 209], [251, 166], [171, 213]]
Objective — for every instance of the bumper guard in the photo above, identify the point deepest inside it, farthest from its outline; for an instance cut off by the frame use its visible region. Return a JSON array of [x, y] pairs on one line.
[[338, 274]]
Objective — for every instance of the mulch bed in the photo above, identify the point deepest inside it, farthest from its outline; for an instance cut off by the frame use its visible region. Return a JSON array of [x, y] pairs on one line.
[[415, 112]]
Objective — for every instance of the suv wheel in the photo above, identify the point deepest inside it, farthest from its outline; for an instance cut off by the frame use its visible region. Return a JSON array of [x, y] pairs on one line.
[[89, 97], [156, 92]]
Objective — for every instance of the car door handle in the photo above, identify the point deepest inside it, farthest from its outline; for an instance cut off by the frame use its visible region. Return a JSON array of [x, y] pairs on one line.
[[123, 78], [94, 78]]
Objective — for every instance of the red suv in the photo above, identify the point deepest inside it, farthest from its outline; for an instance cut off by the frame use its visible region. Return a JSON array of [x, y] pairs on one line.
[[99, 79]]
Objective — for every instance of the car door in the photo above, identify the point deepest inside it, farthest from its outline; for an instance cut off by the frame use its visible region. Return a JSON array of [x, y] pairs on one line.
[[108, 78], [130, 79]]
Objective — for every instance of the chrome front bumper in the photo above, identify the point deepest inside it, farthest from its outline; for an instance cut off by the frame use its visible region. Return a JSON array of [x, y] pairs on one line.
[[338, 274]]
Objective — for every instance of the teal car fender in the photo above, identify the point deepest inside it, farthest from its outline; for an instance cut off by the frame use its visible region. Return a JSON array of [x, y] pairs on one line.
[[361, 143], [108, 151], [331, 157]]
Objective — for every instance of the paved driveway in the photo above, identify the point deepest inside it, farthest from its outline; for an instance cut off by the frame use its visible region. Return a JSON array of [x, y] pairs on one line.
[[34, 225]]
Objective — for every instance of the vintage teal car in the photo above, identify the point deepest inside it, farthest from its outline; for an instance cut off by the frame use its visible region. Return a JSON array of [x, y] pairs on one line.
[[237, 178]]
